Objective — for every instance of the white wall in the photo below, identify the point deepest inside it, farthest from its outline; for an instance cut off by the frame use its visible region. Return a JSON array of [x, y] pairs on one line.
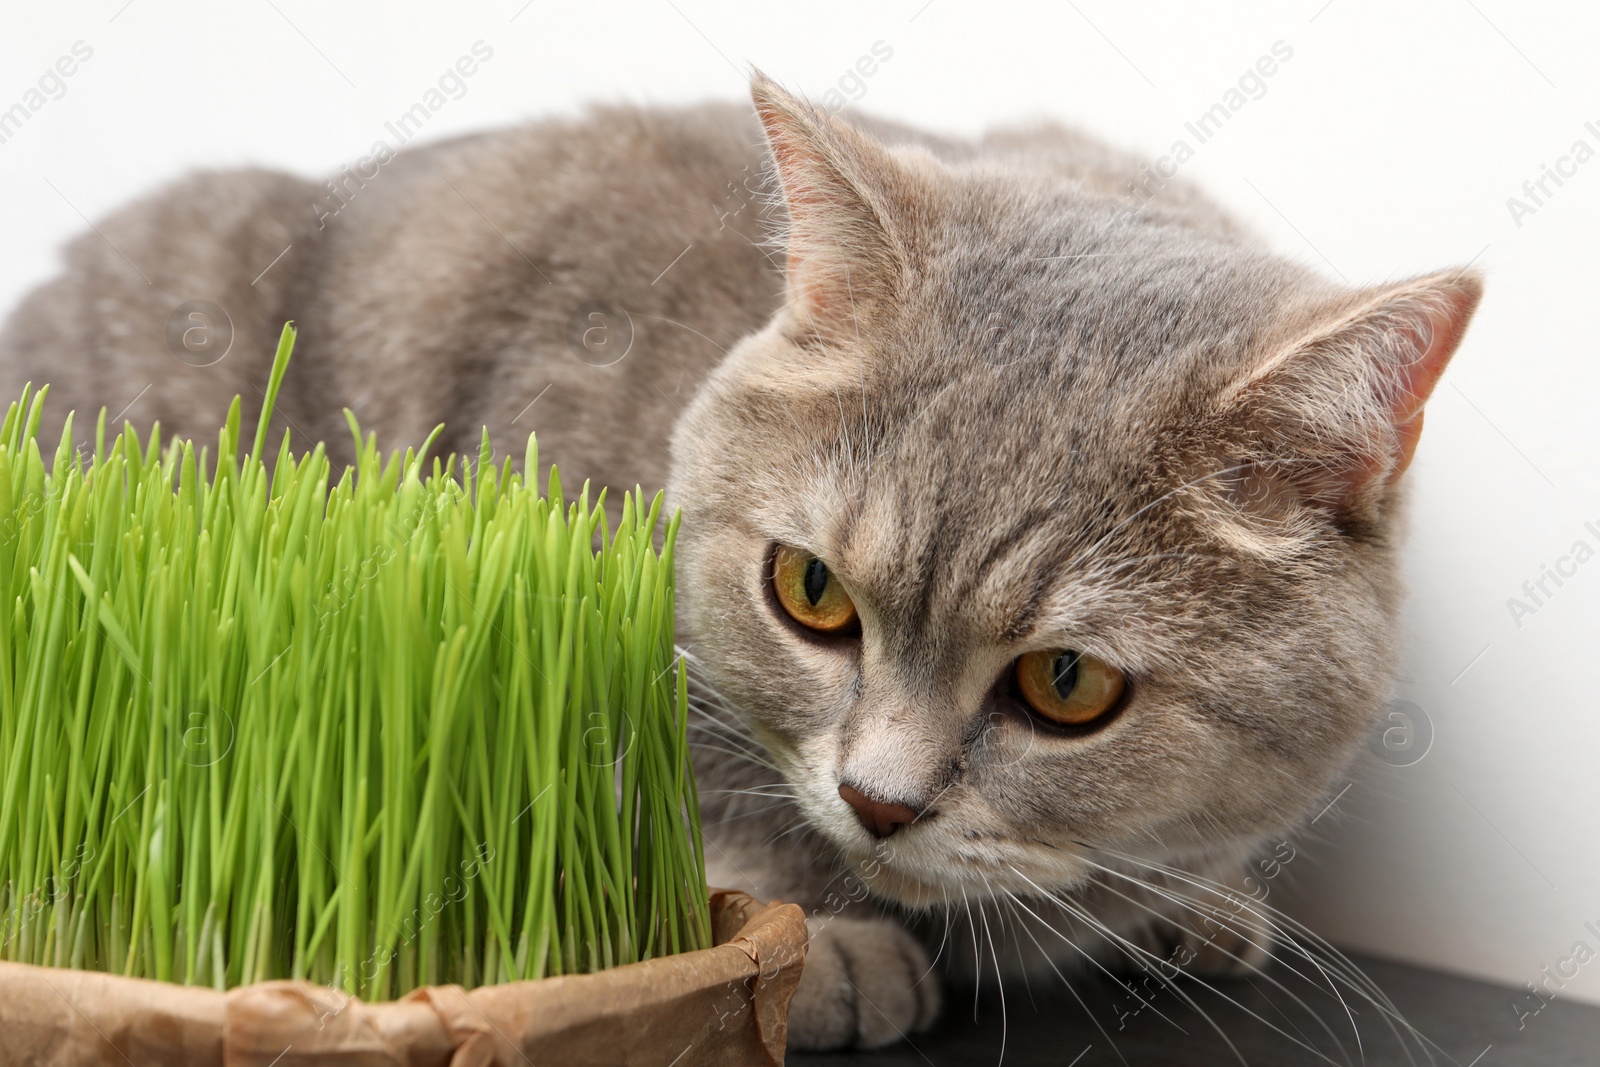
[[1388, 144]]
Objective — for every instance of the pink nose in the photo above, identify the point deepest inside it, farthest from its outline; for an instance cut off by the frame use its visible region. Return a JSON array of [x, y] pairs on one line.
[[880, 817]]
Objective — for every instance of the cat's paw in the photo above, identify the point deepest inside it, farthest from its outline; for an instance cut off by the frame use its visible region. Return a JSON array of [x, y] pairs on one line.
[[866, 982]]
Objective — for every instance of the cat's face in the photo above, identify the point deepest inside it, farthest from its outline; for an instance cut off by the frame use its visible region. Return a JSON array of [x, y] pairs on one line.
[[1166, 458]]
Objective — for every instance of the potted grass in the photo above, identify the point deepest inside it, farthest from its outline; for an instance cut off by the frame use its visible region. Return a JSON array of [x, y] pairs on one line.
[[383, 767]]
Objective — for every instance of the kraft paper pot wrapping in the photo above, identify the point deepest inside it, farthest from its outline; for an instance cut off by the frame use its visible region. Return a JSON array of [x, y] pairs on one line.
[[722, 1005]]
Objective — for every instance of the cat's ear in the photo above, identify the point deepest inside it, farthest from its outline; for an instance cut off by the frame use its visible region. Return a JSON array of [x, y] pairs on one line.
[[1336, 409], [843, 192]]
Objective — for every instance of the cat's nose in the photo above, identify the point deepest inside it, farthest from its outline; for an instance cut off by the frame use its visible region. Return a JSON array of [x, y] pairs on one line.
[[880, 817]]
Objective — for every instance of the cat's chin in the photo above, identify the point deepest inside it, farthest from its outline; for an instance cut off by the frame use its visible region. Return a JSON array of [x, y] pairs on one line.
[[921, 875], [906, 889]]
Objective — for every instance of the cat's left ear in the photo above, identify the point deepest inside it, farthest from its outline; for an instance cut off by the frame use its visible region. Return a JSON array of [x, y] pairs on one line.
[[848, 199], [1339, 406]]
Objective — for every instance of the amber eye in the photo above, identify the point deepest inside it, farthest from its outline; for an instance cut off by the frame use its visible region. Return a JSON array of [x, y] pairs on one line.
[[809, 592], [1071, 688]]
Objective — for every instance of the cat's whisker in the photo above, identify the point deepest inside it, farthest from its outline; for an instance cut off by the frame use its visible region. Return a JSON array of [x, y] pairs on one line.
[[735, 813], [1343, 968], [799, 825], [1268, 934], [703, 696], [687, 653], [977, 957], [731, 815], [939, 953], [712, 724], [718, 717], [721, 733], [1157, 914], [759, 794], [697, 677], [1089, 957], [1351, 972], [1050, 962], [1094, 925], [1136, 955], [736, 755], [1335, 992], [1106, 931], [999, 972], [930, 805], [780, 789], [1011, 914], [751, 813]]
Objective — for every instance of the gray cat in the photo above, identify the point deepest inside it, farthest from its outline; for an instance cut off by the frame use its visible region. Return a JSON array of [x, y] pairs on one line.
[[1038, 566]]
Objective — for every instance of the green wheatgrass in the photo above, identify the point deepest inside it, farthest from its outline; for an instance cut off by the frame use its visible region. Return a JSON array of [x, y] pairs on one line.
[[414, 724]]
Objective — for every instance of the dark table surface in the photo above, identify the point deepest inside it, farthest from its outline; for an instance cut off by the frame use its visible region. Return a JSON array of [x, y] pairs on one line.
[[1457, 1021]]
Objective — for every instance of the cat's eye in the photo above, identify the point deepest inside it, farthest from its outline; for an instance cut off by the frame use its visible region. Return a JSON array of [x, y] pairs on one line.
[[1067, 687], [810, 592]]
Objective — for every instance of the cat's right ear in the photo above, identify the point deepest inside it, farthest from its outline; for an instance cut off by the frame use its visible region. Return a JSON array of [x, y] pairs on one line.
[[1338, 410], [847, 198]]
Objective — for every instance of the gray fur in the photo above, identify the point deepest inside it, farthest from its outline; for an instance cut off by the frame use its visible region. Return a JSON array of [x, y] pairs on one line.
[[1010, 413]]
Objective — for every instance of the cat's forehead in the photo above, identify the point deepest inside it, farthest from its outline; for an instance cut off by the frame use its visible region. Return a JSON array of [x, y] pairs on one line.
[[1097, 305], [959, 519], [1005, 471]]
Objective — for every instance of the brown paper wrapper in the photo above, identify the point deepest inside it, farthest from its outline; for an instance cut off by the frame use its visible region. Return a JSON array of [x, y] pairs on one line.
[[723, 1005]]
